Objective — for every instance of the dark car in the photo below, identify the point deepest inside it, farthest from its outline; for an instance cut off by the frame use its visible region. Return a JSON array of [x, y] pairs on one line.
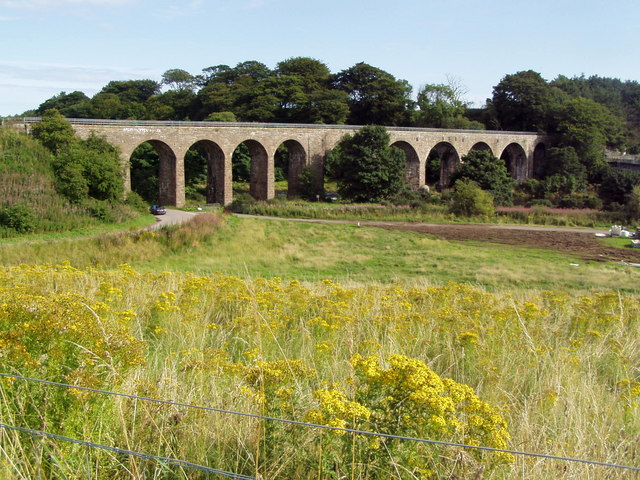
[[157, 210]]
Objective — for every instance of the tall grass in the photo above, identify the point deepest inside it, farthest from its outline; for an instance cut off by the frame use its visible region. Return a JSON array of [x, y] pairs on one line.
[[560, 369], [430, 213]]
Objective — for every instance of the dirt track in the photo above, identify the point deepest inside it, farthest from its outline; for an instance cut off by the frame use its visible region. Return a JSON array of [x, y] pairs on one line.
[[582, 244]]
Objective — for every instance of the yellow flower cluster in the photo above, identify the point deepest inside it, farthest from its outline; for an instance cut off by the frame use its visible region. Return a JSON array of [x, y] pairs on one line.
[[411, 397]]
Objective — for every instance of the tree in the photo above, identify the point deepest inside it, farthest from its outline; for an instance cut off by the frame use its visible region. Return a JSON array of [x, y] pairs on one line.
[[488, 172], [524, 101], [302, 85], [70, 105], [89, 168], [53, 131], [469, 200], [138, 91], [368, 169], [439, 106], [565, 174], [179, 80], [375, 97], [587, 127]]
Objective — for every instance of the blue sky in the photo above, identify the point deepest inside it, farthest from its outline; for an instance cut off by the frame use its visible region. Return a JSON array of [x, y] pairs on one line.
[[49, 46]]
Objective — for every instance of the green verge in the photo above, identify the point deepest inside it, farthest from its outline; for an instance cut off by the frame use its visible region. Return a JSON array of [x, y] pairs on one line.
[[350, 254]]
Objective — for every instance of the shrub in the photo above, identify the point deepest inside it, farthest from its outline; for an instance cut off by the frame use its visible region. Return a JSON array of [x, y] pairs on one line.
[[18, 217], [136, 202], [242, 203], [469, 200]]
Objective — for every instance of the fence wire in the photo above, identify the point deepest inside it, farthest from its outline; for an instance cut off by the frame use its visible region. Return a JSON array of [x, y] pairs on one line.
[[328, 427], [145, 456]]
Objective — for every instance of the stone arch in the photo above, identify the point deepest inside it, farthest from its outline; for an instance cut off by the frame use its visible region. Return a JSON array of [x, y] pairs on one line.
[[482, 146], [539, 160], [215, 158], [166, 171], [261, 178], [449, 160], [296, 161], [412, 171], [515, 159]]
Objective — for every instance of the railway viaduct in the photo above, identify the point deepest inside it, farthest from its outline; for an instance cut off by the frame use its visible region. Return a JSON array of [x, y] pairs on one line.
[[308, 145]]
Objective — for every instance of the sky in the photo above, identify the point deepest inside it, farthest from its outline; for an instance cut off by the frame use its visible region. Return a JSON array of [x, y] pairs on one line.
[[51, 46]]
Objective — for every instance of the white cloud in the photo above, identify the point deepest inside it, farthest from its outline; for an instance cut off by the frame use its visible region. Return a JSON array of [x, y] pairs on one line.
[[25, 85], [43, 4], [65, 76]]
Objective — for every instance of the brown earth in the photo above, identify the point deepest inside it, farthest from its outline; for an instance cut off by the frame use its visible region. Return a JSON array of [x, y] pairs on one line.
[[580, 243]]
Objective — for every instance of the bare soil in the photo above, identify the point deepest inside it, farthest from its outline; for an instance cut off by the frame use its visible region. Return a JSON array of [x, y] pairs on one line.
[[580, 243]]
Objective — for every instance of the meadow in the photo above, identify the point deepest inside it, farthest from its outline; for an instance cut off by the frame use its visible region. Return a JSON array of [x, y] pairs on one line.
[[335, 325]]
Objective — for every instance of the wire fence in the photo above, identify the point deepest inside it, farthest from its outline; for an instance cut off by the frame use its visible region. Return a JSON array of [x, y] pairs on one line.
[[286, 421], [145, 456]]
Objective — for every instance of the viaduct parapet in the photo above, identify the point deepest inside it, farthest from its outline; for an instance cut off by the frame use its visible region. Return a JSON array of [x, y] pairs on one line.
[[308, 145]]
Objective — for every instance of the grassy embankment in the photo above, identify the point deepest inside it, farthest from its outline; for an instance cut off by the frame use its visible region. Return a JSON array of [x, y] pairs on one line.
[[558, 365], [29, 202]]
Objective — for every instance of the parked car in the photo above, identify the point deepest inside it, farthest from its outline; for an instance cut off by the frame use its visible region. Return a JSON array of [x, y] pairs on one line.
[[157, 210]]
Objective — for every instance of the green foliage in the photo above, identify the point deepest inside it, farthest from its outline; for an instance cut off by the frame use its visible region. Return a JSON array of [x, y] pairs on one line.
[[18, 217], [616, 185], [54, 132], [375, 96], [178, 79], [469, 200], [144, 172], [89, 168], [71, 105], [442, 106], [369, 169], [524, 101], [241, 163], [310, 184], [587, 127], [632, 206], [221, 117], [28, 194], [488, 172]]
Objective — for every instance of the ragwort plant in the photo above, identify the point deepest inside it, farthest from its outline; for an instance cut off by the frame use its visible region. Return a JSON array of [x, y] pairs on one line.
[[448, 362]]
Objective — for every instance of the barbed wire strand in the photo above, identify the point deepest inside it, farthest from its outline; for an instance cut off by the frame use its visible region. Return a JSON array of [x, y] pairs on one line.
[[145, 456], [329, 427]]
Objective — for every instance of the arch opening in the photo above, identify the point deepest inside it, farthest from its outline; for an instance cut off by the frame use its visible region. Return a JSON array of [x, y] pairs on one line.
[[250, 165], [289, 161], [442, 162], [515, 160], [204, 172], [153, 172], [412, 171], [539, 160]]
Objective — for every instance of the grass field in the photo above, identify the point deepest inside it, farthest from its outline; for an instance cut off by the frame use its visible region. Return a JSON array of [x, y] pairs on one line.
[[384, 331], [251, 248]]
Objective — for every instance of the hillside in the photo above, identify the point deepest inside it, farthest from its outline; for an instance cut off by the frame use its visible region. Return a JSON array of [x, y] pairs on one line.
[[29, 202]]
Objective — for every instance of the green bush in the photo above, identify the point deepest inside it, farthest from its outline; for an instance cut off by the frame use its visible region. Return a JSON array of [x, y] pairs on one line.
[[469, 200], [136, 202], [242, 203], [18, 217]]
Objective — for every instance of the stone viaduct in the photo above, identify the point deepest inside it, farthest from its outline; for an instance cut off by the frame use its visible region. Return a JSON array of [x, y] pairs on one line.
[[308, 145]]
